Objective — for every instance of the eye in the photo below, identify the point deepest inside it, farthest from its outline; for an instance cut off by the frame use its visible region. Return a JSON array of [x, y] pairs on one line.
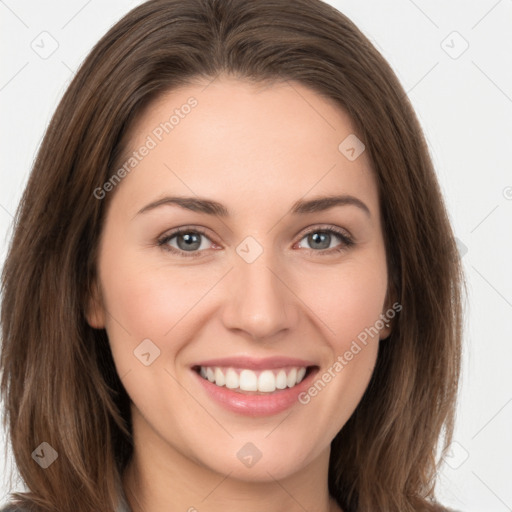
[[320, 240], [188, 241]]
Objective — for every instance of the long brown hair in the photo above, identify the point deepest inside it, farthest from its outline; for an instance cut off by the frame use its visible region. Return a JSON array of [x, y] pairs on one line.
[[59, 384]]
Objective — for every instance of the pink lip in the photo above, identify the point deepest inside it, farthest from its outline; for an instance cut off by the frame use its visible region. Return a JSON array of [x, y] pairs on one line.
[[255, 405], [256, 364]]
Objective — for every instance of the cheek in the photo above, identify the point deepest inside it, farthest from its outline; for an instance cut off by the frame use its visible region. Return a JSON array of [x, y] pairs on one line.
[[143, 301], [347, 305], [347, 300], [150, 302]]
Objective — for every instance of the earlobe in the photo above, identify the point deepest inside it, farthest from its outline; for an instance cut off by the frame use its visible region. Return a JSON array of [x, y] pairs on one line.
[[386, 330], [388, 318], [94, 310]]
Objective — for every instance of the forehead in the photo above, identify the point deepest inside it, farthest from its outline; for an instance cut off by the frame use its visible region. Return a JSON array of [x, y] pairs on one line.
[[253, 144]]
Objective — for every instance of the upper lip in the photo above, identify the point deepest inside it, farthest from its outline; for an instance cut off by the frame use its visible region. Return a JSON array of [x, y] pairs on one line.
[[256, 364]]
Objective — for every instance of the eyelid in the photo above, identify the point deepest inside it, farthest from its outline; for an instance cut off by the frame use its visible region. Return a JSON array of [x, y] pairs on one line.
[[325, 227], [163, 240], [347, 240], [345, 236]]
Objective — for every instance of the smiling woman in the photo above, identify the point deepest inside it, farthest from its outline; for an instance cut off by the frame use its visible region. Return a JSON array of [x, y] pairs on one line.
[[233, 278]]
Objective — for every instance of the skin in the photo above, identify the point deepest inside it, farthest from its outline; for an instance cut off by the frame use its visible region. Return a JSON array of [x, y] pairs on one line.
[[257, 150]]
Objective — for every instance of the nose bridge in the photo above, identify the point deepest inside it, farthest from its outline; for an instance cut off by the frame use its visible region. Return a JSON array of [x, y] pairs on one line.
[[259, 301]]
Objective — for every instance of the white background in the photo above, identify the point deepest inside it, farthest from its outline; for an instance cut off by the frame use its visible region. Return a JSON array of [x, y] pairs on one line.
[[465, 107]]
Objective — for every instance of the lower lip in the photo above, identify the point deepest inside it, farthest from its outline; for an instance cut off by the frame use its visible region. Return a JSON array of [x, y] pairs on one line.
[[256, 405]]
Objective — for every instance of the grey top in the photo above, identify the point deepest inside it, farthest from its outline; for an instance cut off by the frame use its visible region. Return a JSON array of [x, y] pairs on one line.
[[123, 507], [14, 508]]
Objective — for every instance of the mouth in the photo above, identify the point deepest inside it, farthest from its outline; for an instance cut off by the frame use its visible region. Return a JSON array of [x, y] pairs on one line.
[[255, 382], [255, 387]]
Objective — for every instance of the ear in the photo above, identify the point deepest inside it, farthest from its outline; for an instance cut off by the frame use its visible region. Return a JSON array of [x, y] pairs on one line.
[[386, 331], [389, 313], [95, 313]]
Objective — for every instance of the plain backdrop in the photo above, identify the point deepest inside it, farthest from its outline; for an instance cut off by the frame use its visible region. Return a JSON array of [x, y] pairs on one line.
[[454, 61]]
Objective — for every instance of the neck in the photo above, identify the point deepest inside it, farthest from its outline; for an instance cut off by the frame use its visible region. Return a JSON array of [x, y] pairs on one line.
[[159, 478]]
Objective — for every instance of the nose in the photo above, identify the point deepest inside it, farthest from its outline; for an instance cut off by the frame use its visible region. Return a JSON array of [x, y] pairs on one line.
[[260, 302]]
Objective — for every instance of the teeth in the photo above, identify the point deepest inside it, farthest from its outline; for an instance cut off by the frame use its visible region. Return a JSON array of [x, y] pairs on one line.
[[281, 380], [266, 381], [292, 378], [232, 380], [248, 381], [220, 380]]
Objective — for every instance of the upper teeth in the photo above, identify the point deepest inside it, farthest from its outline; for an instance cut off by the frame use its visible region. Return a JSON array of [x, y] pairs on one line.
[[249, 380]]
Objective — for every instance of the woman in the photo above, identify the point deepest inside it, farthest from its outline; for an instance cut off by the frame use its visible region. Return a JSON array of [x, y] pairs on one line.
[[173, 336]]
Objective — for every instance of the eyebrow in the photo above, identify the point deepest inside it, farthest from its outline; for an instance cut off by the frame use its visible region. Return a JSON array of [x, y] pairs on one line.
[[300, 207]]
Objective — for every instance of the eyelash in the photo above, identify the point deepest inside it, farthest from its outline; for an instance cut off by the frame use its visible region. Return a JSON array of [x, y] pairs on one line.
[[347, 241]]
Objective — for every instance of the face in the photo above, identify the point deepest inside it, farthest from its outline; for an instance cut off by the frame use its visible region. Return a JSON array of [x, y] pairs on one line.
[[266, 291]]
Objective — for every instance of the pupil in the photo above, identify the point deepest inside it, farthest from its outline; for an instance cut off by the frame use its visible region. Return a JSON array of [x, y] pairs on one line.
[[192, 240], [189, 241], [324, 237]]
